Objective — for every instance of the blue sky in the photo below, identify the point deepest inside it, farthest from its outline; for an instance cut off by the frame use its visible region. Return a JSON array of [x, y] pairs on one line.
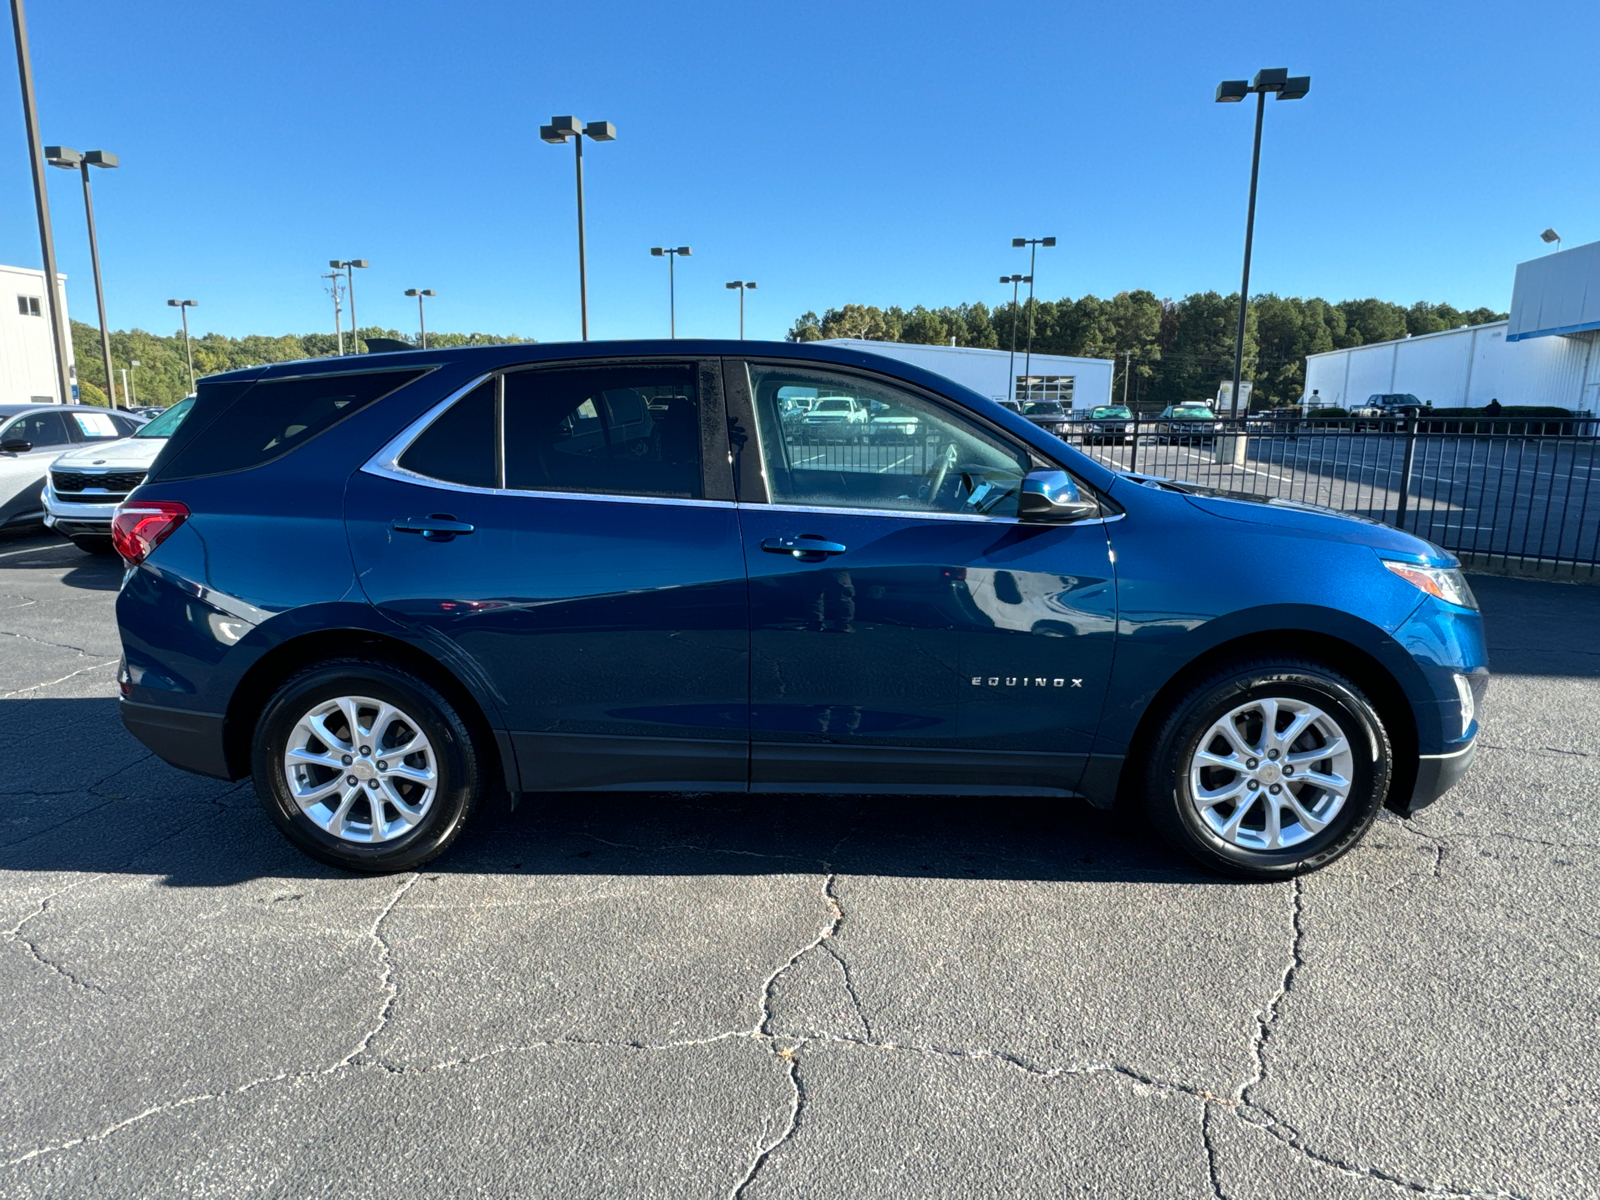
[[881, 153]]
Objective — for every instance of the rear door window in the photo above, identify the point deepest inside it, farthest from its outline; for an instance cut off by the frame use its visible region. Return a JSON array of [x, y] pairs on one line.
[[621, 431]]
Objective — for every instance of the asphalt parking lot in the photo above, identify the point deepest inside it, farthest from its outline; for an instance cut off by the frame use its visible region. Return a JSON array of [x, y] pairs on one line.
[[732, 996]]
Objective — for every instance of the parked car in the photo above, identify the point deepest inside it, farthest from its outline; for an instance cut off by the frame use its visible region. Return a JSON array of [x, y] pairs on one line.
[[387, 591], [85, 485], [1389, 409], [148, 411], [1187, 424], [835, 419], [32, 435], [1109, 423], [1048, 415], [888, 424]]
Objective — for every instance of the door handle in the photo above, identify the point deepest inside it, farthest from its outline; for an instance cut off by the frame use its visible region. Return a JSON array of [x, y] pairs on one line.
[[803, 546], [437, 527]]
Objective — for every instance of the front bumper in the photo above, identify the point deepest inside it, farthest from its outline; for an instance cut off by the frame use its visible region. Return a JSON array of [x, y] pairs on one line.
[[75, 520], [1437, 774], [190, 741]]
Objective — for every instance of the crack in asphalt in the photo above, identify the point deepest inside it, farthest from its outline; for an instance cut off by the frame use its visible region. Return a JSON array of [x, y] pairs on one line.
[[1267, 1017], [1211, 1154], [28, 637], [32, 947], [391, 989], [51, 683]]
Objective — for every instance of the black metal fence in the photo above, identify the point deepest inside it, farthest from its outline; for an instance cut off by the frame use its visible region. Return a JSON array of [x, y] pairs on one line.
[[1515, 494]]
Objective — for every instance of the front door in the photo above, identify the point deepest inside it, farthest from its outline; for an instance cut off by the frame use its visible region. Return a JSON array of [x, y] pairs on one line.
[[569, 534], [22, 472], [896, 603]]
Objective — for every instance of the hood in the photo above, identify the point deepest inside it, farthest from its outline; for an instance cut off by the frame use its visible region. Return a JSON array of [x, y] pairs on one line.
[[124, 453], [1313, 519]]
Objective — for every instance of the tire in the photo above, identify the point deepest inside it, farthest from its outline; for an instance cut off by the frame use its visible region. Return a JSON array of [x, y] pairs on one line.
[[90, 544], [1184, 794], [337, 828]]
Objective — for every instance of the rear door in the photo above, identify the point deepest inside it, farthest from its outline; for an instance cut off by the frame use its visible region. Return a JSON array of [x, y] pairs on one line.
[[569, 534]]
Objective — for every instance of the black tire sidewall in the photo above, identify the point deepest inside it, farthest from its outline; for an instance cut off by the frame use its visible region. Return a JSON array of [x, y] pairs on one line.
[[1170, 800], [456, 762]]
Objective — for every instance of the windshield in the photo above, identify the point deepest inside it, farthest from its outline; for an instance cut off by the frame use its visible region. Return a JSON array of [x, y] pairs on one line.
[[1191, 410], [1045, 408], [1112, 412], [832, 406], [168, 421]]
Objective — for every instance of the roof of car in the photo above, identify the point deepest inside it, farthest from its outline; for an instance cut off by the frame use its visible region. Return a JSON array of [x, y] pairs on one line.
[[11, 410]]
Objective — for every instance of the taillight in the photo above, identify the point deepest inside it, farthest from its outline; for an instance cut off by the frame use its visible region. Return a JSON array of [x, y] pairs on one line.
[[139, 527]]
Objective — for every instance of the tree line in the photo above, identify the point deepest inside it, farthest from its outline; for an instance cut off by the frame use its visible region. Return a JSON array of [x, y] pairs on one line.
[[1176, 350], [162, 376]]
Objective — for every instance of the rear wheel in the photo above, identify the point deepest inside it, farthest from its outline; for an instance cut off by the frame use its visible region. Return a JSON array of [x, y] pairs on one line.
[[1269, 768], [364, 766]]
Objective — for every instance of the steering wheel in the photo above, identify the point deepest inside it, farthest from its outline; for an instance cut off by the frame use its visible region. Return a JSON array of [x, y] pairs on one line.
[[933, 481]]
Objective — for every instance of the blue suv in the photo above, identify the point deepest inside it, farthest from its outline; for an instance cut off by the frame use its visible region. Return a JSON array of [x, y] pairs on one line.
[[387, 587]]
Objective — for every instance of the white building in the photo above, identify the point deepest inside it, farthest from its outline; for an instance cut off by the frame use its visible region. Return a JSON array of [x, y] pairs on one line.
[[1080, 382], [27, 351], [1547, 353]]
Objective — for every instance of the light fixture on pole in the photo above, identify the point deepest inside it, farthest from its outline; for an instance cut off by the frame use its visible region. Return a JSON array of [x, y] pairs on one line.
[[349, 269], [422, 324], [183, 307], [743, 286], [1033, 245], [41, 201], [1231, 91], [1011, 364], [1550, 235], [558, 132], [131, 376], [70, 159], [671, 253]]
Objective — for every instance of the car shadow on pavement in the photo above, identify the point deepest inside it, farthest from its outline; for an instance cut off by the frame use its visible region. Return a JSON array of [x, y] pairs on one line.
[[49, 553], [79, 794]]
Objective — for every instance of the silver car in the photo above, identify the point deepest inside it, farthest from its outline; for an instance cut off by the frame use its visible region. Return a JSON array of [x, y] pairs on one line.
[[32, 436]]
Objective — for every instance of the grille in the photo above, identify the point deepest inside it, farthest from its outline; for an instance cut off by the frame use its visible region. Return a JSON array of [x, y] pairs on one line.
[[117, 483]]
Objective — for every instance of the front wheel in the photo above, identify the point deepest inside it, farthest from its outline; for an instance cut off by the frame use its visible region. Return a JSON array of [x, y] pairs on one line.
[[1269, 768], [364, 766]]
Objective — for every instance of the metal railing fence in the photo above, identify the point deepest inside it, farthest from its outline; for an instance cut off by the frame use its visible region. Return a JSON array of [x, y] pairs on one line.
[[1509, 493]]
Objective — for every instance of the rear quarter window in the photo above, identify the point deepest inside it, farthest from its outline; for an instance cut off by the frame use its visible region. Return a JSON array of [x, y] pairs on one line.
[[254, 424]]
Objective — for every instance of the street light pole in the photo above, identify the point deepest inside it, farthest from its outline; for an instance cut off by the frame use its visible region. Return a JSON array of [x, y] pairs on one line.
[[1011, 364], [556, 133], [64, 156], [671, 253], [1033, 245], [742, 286], [131, 380], [41, 200], [349, 268], [183, 307], [1231, 91], [422, 324]]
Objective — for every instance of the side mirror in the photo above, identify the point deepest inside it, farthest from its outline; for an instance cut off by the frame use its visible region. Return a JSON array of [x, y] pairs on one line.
[[1052, 496], [16, 446]]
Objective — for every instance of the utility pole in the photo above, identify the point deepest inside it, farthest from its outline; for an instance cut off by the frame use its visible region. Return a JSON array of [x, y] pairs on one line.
[[334, 279], [41, 200]]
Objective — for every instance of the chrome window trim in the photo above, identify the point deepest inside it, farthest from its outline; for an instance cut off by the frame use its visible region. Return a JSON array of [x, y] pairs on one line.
[[386, 465], [922, 514]]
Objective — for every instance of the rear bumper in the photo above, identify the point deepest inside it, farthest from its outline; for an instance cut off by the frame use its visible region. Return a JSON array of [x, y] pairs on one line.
[[1437, 774], [190, 741]]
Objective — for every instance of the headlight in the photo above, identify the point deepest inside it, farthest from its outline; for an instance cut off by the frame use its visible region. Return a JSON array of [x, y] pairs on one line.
[[1444, 583]]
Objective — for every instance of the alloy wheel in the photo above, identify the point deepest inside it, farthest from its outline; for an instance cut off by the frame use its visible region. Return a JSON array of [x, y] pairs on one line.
[[360, 769], [1271, 773]]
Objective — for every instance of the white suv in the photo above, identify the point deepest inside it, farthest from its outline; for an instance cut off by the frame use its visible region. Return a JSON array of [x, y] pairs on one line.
[[85, 486]]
